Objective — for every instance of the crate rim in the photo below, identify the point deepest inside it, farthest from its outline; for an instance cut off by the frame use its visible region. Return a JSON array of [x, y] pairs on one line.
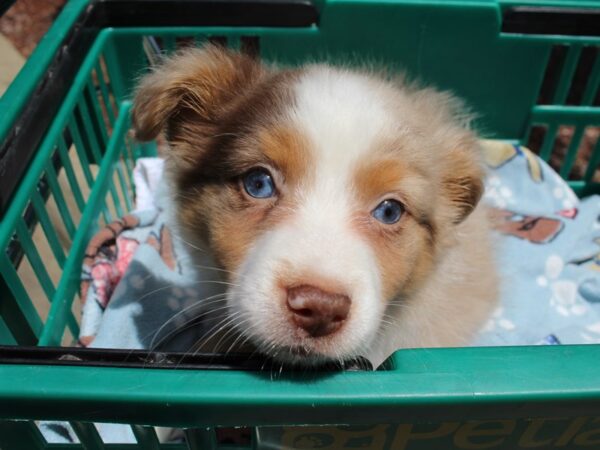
[[431, 385]]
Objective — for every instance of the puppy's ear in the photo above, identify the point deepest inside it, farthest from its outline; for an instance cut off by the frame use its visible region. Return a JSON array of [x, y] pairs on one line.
[[462, 182], [196, 84]]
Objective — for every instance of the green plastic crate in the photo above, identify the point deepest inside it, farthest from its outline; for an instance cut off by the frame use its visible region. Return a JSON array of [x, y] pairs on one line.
[[520, 64]]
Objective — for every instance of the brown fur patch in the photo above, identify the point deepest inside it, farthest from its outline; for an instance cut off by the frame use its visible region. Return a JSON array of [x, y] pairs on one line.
[[213, 204], [230, 221], [232, 148], [190, 93], [222, 114], [375, 178], [288, 149], [463, 181], [211, 102], [216, 214]]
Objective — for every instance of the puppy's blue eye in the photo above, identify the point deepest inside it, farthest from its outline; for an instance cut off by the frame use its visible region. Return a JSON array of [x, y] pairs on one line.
[[388, 211], [259, 184]]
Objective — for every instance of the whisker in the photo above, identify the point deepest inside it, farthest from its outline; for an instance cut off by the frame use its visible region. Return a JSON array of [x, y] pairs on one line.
[[195, 348], [201, 303], [241, 335], [233, 328], [193, 321], [171, 286], [207, 336]]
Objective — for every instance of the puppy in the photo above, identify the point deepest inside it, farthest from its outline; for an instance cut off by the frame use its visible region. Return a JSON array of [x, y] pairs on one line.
[[341, 206]]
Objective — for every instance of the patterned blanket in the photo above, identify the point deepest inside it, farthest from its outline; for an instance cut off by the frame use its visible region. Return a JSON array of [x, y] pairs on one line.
[[135, 275]]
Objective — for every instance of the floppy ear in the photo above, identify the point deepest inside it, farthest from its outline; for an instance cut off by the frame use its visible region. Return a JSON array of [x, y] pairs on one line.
[[462, 183], [195, 85]]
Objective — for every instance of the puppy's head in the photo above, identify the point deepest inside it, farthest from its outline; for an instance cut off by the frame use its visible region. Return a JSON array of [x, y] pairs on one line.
[[327, 194]]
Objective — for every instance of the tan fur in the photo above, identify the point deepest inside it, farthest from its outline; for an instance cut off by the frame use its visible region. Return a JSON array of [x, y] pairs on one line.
[[457, 297], [404, 250], [378, 176], [219, 212], [288, 150]]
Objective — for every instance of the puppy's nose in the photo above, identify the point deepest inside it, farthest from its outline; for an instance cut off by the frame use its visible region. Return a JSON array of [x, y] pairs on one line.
[[318, 312]]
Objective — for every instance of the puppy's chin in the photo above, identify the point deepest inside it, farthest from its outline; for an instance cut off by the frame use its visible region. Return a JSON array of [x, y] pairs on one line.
[[300, 357], [299, 351], [304, 356]]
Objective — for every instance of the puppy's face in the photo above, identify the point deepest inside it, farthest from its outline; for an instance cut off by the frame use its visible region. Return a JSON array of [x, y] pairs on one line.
[[327, 195]]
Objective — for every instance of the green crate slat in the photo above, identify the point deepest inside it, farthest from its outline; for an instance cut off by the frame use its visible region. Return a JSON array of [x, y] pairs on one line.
[[105, 93], [128, 170], [200, 39], [124, 189], [72, 324], [112, 191], [432, 385], [562, 90], [113, 101], [80, 150], [88, 435], [546, 149], [48, 227], [6, 336], [106, 215], [254, 438], [16, 307], [71, 177], [40, 271], [593, 83], [128, 157], [91, 136], [35, 259], [583, 189], [169, 44], [68, 285], [200, 439], [98, 117], [111, 55], [59, 199], [115, 196], [20, 436], [233, 42], [567, 164], [566, 115], [593, 164], [146, 437]]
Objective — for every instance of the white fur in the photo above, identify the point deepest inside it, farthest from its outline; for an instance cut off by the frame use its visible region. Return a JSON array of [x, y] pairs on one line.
[[337, 112]]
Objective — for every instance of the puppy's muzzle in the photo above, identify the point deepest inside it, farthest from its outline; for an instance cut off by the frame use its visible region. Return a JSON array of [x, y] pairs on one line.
[[318, 312]]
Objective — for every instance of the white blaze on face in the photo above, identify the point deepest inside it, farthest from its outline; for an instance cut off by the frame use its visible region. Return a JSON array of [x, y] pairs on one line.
[[341, 119]]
